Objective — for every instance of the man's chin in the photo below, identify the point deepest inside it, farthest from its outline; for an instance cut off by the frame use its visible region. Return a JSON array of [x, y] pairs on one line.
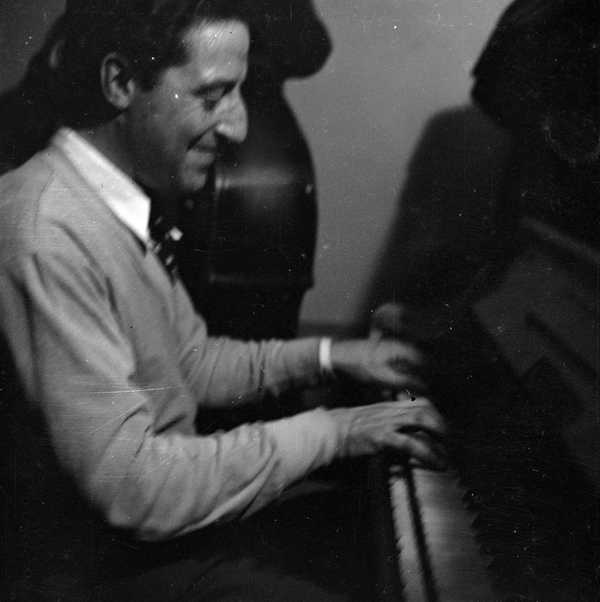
[[193, 184]]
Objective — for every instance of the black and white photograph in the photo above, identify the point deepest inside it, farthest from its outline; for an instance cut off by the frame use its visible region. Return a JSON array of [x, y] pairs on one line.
[[300, 300]]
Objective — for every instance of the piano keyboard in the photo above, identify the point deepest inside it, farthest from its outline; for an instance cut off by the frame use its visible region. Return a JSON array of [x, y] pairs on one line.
[[438, 557], [524, 522]]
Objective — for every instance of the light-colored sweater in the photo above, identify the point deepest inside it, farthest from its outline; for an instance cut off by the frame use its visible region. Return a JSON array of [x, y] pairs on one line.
[[113, 363]]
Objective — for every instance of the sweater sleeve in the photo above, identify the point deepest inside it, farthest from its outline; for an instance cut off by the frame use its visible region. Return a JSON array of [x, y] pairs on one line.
[[76, 365], [222, 371]]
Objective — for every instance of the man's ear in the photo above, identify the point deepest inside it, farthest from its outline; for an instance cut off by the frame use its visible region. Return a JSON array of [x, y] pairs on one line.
[[117, 83]]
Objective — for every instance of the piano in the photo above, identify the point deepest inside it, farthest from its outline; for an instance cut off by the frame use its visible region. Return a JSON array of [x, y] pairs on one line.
[[517, 515], [432, 554]]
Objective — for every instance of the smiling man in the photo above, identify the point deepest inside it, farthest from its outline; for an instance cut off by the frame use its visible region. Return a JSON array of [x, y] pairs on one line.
[[167, 135], [113, 494]]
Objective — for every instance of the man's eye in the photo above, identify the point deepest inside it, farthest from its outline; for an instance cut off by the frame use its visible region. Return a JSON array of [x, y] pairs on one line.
[[211, 98]]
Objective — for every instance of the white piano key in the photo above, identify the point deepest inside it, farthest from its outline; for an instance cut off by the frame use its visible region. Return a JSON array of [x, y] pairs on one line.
[[409, 563], [458, 567]]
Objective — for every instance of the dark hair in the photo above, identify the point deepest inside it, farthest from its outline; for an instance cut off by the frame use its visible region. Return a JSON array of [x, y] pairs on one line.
[[62, 83], [539, 74], [149, 33]]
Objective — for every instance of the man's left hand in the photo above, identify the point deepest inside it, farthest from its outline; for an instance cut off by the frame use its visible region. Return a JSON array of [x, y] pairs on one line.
[[383, 362]]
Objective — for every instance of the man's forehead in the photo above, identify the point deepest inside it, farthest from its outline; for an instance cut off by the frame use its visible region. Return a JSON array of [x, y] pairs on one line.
[[216, 52], [216, 39]]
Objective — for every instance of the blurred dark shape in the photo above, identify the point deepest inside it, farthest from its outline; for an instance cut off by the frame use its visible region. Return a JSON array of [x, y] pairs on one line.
[[538, 77], [452, 227], [288, 40], [539, 71], [29, 112], [249, 241]]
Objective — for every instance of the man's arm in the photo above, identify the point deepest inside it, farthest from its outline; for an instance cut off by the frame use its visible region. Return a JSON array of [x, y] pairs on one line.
[[223, 371], [76, 367]]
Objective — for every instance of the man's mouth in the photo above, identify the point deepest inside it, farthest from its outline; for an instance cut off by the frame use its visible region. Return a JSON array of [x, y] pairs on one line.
[[206, 153], [205, 148]]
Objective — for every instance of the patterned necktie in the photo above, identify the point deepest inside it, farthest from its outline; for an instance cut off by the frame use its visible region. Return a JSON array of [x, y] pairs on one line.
[[164, 239]]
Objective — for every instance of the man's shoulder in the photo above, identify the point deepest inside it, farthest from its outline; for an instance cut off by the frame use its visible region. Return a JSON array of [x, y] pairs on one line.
[[21, 193], [36, 199], [28, 181]]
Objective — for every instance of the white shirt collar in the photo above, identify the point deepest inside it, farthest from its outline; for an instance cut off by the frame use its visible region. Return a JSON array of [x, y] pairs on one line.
[[122, 195]]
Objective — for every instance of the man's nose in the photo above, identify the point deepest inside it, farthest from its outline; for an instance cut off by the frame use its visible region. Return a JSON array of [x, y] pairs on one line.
[[233, 118]]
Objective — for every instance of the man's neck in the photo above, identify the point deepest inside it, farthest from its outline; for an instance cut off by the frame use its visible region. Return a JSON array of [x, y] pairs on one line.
[[106, 139]]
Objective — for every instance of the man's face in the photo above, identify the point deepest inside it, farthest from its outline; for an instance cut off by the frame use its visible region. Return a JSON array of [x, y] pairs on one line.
[[173, 129]]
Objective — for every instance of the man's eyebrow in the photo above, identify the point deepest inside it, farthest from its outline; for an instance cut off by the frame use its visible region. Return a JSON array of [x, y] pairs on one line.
[[215, 84]]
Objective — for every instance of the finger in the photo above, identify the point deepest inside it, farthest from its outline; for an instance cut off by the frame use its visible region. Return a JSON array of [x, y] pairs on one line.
[[405, 395], [389, 318], [392, 409], [420, 448], [421, 416], [397, 379], [405, 402], [431, 421], [375, 335], [418, 401], [402, 417], [404, 353]]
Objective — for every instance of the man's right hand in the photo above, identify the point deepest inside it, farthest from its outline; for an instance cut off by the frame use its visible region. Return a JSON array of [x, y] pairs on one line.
[[412, 428]]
